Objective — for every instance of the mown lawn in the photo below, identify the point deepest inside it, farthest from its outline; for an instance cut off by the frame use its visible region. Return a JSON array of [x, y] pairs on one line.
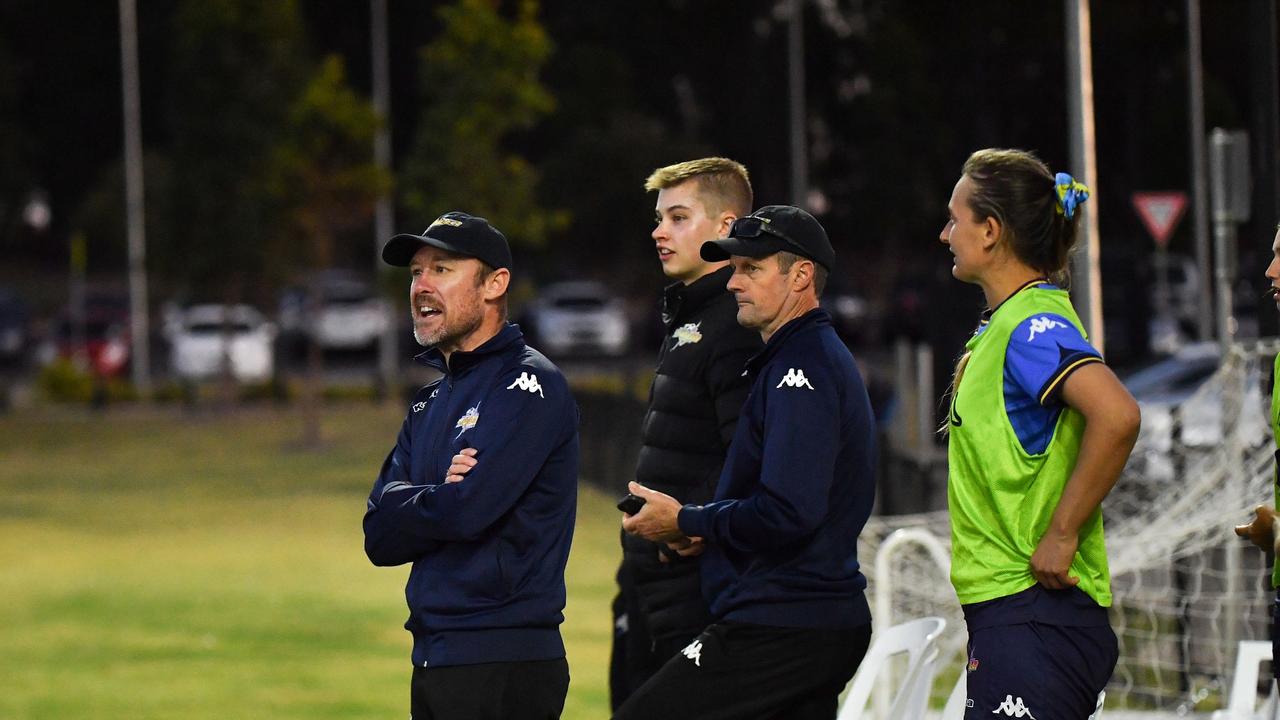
[[169, 565]]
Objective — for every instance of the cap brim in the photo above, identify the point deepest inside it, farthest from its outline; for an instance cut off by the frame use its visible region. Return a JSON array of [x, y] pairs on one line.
[[723, 249], [399, 250]]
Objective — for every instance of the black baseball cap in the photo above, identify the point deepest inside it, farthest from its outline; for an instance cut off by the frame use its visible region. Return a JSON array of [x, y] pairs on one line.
[[771, 229], [456, 232]]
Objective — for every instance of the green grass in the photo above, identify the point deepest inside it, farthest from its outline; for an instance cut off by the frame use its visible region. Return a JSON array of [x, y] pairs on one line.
[[162, 565]]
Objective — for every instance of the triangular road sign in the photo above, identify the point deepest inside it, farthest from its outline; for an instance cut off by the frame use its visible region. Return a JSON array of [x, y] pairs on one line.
[[1160, 213]]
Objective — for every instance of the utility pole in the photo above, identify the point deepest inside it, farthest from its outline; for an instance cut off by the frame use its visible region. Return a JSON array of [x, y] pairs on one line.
[[1264, 82], [1086, 277], [1199, 167], [795, 64], [134, 209], [383, 214]]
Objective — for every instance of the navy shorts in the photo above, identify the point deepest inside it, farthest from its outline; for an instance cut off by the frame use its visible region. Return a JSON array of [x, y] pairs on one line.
[[1033, 669], [1275, 637]]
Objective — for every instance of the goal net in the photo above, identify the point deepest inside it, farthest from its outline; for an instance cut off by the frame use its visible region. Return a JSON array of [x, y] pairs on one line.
[[1186, 589]]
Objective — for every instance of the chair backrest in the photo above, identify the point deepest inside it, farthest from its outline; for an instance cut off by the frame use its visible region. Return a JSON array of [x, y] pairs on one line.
[[916, 638], [1244, 686]]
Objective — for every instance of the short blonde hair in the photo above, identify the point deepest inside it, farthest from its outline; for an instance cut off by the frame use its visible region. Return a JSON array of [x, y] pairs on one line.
[[723, 184]]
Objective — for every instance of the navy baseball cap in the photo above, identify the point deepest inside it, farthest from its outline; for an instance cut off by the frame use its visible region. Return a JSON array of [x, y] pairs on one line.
[[771, 229], [456, 232]]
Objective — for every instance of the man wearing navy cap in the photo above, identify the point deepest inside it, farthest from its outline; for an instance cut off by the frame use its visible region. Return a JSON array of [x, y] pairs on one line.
[[480, 489], [780, 565]]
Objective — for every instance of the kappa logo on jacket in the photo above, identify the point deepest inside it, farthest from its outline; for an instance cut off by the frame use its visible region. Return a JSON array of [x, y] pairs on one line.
[[795, 378], [529, 382], [687, 334], [1042, 324], [468, 420], [420, 406], [1013, 708]]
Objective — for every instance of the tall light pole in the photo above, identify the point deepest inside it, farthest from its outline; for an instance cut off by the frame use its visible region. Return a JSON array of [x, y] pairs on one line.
[[1085, 273], [795, 67], [1199, 167], [383, 213], [134, 210]]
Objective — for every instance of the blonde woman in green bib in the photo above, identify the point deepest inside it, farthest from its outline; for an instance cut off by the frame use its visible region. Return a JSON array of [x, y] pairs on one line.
[[1262, 530], [1039, 430]]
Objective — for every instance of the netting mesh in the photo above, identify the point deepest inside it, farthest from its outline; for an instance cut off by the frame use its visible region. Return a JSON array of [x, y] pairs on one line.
[[1186, 588]]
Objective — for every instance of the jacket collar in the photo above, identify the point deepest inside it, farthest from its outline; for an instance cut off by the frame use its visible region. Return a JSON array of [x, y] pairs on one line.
[[508, 336], [680, 300], [815, 318]]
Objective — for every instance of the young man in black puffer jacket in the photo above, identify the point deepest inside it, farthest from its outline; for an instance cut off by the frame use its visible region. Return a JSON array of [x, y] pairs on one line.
[[697, 393]]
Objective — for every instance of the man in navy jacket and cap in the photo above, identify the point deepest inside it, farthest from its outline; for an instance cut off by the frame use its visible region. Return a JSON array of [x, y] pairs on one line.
[[480, 489], [780, 564]]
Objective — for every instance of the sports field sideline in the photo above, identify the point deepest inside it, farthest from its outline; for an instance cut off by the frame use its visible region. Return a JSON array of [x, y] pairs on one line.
[[156, 564]]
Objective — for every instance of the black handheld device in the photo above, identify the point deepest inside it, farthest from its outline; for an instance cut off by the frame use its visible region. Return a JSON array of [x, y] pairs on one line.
[[631, 504]]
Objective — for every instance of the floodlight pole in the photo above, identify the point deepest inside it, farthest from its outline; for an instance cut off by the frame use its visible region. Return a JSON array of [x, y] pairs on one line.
[[795, 66], [1086, 276], [134, 208], [1199, 167], [384, 210]]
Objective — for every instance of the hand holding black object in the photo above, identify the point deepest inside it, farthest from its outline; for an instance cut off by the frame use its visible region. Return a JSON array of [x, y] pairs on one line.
[[631, 504]]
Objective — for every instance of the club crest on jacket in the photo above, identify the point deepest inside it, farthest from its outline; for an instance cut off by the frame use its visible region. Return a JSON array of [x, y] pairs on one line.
[[687, 334], [468, 420]]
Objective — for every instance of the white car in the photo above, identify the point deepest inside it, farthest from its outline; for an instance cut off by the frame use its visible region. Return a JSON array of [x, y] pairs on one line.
[[578, 318], [350, 317], [205, 336]]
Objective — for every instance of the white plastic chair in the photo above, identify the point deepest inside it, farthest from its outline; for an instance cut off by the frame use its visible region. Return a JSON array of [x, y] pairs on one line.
[[1242, 703], [955, 707], [916, 638]]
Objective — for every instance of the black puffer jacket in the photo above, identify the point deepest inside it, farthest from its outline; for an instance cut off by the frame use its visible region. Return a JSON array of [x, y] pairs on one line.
[[697, 394]]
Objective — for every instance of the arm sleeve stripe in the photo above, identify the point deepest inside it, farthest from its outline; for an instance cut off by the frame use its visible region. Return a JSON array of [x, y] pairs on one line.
[[1051, 387]]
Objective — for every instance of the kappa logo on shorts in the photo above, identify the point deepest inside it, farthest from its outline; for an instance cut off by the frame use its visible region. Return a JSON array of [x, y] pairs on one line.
[[795, 378], [687, 334], [1042, 324], [1013, 708], [694, 652], [527, 381]]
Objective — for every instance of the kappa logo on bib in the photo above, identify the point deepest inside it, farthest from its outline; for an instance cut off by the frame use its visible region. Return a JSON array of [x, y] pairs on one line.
[[1042, 324]]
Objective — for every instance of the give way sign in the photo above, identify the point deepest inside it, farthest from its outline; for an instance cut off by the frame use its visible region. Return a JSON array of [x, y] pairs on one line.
[[1160, 213]]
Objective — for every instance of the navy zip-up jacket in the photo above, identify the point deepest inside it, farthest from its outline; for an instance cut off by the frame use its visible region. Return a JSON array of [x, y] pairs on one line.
[[489, 552], [796, 490]]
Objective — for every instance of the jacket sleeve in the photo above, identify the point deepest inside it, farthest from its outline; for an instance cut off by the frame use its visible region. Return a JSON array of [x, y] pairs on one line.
[[800, 442], [520, 425], [727, 381], [385, 543]]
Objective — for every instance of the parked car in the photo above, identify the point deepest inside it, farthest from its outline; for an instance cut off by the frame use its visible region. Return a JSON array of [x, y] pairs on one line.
[[1170, 385], [577, 318], [351, 315], [207, 335], [101, 335], [14, 327]]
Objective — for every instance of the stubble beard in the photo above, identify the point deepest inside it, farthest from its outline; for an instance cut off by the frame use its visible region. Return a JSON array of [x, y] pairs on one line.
[[449, 332]]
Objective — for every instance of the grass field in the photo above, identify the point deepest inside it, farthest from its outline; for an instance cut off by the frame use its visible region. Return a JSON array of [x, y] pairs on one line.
[[168, 565]]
